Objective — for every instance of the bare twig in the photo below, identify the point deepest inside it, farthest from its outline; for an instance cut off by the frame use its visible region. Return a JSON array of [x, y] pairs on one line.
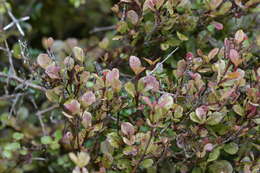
[[48, 109], [161, 63], [15, 21], [40, 113], [16, 99], [20, 80], [101, 29], [9, 52], [145, 150], [7, 97]]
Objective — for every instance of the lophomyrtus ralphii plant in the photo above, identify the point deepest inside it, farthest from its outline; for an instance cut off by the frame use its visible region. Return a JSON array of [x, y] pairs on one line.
[[201, 120]]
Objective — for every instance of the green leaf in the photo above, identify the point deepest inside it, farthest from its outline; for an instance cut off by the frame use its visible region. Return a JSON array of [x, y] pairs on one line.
[[211, 28], [221, 166], [214, 155], [214, 118], [7, 154], [113, 139], [46, 140], [178, 111], [58, 135], [195, 118], [224, 8], [239, 110], [147, 163], [197, 170], [55, 145], [182, 37], [18, 136], [231, 148], [130, 89], [12, 146], [79, 53]]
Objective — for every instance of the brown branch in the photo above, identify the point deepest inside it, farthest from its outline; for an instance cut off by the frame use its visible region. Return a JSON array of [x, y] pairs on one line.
[[20, 80], [145, 150]]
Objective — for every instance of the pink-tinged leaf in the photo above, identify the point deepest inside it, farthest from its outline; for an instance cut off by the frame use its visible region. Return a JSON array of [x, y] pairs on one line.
[[235, 57], [201, 111], [194, 76], [165, 101], [150, 83], [44, 60], [69, 63], [189, 56], [147, 101], [86, 119], [227, 94], [240, 36], [226, 43], [217, 25], [73, 106], [127, 129], [148, 4], [208, 147], [53, 71], [88, 98], [113, 75], [135, 64], [84, 76], [181, 67], [213, 53], [67, 138]]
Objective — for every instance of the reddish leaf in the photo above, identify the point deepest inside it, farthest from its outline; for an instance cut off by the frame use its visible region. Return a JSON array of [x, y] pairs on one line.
[[113, 75], [201, 111], [217, 25], [127, 129], [135, 64], [213, 53], [73, 106], [53, 71], [88, 98], [150, 83], [235, 57], [86, 119]]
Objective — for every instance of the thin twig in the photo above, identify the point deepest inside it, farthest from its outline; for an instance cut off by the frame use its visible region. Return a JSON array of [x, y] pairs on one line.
[[7, 97], [20, 80], [40, 113], [161, 63], [15, 21], [14, 104], [48, 109], [101, 29], [9, 52], [145, 150]]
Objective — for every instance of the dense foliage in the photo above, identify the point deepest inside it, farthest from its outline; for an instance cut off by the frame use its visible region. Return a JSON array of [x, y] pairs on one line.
[[130, 86]]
